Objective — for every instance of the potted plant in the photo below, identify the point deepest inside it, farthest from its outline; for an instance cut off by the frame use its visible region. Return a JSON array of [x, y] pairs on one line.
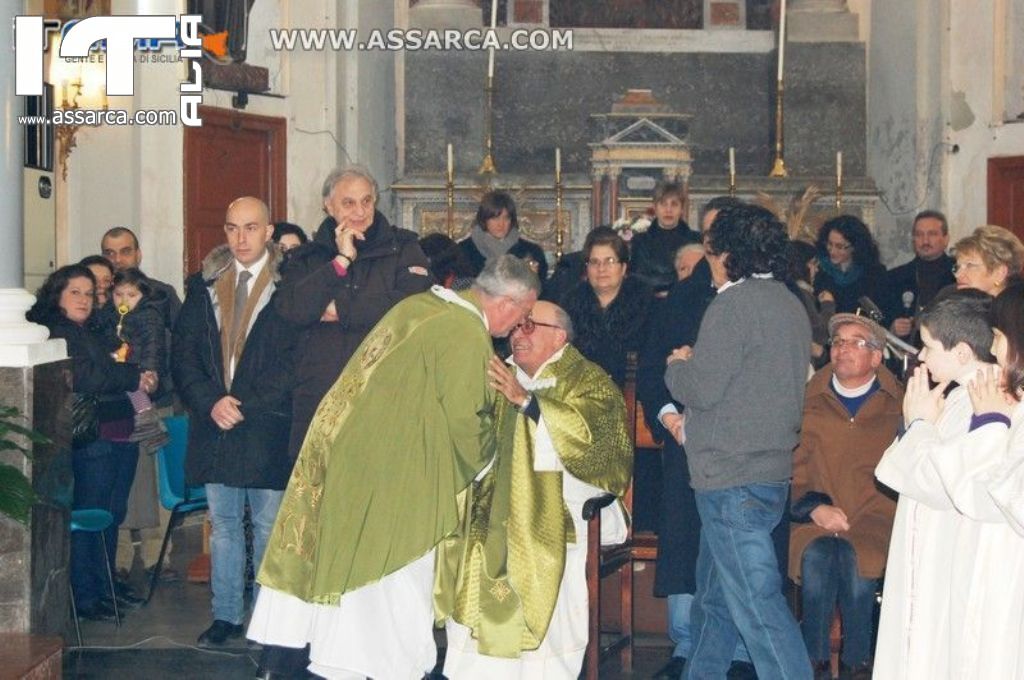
[[16, 494]]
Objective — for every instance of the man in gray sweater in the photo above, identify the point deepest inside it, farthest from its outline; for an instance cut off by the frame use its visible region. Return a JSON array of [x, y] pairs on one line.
[[742, 384]]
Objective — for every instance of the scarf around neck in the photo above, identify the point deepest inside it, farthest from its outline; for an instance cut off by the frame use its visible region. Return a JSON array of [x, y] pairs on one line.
[[491, 247]]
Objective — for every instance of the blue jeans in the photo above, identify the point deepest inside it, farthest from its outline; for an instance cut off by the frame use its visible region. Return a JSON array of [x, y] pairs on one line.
[[739, 588], [680, 629], [103, 473], [828, 573], [227, 542]]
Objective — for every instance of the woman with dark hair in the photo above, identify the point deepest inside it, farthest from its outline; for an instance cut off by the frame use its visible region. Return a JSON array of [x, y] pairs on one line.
[[102, 459], [849, 260], [495, 232], [609, 310], [103, 272], [288, 235], [448, 264], [803, 269]]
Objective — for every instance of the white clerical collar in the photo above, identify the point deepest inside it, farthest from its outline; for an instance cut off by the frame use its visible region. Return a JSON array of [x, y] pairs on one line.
[[256, 268], [852, 392], [451, 296], [530, 382]]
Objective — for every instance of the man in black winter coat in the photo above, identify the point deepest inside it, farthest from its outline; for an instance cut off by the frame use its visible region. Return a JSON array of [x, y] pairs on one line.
[[338, 287], [232, 364]]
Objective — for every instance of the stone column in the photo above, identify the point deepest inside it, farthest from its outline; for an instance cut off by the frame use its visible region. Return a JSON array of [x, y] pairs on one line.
[[596, 197], [460, 14], [33, 559], [821, 21]]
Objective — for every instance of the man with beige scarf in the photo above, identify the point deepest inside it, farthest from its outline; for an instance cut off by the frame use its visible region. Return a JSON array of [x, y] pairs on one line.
[[232, 361]]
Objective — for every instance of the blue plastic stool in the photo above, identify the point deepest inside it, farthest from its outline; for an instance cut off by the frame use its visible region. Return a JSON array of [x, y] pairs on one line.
[[94, 521]]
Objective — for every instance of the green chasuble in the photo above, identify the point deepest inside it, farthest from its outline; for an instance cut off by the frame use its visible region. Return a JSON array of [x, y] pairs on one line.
[[500, 574], [403, 431]]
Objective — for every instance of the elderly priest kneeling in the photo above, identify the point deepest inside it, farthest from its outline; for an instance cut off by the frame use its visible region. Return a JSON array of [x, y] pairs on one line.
[[512, 581]]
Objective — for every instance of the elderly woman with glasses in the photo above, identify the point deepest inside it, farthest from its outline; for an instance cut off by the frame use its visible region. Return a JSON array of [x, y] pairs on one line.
[[849, 261], [989, 260], [609, 310]]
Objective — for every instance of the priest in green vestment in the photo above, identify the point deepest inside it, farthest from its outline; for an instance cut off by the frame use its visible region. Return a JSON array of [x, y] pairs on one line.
[[393, 445], [512, 580]]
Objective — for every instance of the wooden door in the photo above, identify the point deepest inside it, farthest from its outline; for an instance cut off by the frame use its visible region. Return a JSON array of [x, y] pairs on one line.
[[233, 154], [1006, 193]]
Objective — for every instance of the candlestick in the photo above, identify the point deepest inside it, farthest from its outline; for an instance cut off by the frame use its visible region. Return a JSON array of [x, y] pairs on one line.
[[559, 224], [451, 164], [782, 37], [558, 164], [732, 171], [839, 167], [779, 165]]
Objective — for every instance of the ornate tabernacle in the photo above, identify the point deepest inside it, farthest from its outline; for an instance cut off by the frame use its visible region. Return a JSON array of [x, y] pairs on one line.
[[642, 142]]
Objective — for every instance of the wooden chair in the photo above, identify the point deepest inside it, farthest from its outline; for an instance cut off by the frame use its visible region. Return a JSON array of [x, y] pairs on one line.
[[617, 559]]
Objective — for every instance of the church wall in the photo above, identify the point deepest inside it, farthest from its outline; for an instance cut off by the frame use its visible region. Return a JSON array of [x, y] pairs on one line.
[[544, 100], [974, 123], [133, 175]]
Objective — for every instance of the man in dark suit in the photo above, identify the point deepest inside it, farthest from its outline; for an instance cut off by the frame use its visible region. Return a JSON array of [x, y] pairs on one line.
[[910, 287]]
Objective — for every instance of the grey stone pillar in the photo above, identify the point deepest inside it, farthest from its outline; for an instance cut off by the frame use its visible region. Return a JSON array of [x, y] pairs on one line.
[[33, 559], [821, 21], [446, 14]]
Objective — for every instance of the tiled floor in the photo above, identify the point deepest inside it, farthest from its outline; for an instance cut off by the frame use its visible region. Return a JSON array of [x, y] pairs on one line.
[[157, 641]]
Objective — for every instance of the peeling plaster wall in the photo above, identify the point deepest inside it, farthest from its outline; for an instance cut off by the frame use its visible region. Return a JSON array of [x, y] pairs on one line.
[[974, 124], [904, 117]]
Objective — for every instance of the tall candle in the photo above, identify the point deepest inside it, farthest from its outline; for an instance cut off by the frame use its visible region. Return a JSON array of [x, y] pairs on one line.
[[839, 167], [732, 165], [490, 51], [782, 36], [451, 163], [558, 164]]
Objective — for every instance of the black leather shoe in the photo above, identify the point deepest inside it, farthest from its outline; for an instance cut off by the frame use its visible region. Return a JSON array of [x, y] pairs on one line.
[[742, 670], [673, 669], [101, 611], [219, 633], [822, 670]]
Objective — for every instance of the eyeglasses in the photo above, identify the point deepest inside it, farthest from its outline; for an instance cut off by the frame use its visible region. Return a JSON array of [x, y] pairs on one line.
[[966, 266], [858, 343], [606, 262], [841, 247], [529, 326]]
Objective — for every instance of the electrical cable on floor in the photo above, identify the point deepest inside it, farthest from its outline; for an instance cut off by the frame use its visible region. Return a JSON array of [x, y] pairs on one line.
[[175, 643]]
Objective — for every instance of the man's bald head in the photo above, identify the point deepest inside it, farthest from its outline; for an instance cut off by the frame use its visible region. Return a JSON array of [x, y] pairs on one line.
[[547, 330], [251, 203], [248, 229]]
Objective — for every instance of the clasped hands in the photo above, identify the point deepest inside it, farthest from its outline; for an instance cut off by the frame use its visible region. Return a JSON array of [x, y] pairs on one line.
[[985, 390], [503, 379]]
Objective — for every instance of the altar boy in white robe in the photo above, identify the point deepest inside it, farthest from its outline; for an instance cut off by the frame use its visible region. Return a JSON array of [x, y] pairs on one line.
[[920, 578], [513, 579]]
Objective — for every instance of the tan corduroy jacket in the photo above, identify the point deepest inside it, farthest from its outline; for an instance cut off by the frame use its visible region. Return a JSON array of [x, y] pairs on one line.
[[837, 456]]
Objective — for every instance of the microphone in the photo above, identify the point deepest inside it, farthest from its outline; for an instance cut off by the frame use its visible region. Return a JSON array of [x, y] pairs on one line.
[[908, 302], [872, 311]]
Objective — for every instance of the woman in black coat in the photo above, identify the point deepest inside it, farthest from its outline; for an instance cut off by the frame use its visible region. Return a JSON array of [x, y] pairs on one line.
[[103, 460], [609, 310], [495, 232]]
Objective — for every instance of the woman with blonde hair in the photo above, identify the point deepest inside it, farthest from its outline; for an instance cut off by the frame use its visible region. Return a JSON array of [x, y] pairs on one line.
[[990, 259]]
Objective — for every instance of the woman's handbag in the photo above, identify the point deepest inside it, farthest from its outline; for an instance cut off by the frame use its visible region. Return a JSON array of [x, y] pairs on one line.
[[85, 425]]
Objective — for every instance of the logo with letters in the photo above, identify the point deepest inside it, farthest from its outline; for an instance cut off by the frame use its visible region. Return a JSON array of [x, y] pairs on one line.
[[120, 34]]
